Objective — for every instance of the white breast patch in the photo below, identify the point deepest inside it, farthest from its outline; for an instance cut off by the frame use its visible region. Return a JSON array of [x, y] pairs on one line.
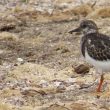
[[101, 66]]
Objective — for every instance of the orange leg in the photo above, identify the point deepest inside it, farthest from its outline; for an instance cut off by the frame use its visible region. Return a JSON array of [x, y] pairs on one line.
[[100, 84]]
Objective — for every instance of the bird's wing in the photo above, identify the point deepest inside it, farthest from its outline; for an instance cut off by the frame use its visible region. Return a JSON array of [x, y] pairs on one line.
[[98, 47]]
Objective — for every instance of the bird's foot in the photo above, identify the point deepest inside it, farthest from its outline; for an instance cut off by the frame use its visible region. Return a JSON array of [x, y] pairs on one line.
[[100, 84]]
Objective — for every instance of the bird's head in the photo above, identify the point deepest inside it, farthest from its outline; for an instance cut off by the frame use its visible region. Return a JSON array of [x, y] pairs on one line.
[[87, 27]]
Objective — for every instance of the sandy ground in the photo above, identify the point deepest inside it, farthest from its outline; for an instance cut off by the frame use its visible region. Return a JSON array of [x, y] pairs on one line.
[[38, 58]]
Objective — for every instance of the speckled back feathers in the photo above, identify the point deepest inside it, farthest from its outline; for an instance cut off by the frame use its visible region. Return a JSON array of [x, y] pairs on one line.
[[97, 45]]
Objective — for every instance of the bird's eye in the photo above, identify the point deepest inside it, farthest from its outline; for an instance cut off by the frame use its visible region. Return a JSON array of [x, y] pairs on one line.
[[84, 26]]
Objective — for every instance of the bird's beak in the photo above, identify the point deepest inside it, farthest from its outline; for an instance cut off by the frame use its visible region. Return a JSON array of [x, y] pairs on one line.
[[75, 30]]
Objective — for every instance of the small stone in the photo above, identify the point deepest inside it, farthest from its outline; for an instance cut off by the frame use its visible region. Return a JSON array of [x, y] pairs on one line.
[[44, 83], [19, 59], [82, 69], [57, 83], [71, 80]]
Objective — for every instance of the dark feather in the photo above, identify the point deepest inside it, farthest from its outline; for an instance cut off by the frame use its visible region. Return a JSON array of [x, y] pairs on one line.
[[97, 45]]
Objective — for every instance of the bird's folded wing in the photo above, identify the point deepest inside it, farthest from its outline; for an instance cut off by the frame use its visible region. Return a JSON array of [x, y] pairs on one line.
[[98, 47]]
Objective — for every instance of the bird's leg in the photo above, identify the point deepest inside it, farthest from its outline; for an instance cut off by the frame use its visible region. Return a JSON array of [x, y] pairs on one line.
[[100, 83]]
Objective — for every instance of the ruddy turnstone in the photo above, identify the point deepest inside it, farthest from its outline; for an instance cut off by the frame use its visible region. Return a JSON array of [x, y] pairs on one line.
[[95, 48]]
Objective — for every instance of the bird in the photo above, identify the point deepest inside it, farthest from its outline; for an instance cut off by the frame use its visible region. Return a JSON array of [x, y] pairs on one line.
[[95, 48]]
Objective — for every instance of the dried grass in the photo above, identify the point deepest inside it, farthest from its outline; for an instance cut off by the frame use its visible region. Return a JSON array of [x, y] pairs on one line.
[[101, 12], [4, 106], [8, 93], [83, 10], [8, 36]]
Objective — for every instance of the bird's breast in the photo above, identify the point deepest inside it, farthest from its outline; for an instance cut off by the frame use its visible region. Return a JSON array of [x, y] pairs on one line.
[[103, 66]]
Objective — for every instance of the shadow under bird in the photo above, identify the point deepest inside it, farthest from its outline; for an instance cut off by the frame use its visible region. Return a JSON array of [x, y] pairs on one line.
[[95, 48]]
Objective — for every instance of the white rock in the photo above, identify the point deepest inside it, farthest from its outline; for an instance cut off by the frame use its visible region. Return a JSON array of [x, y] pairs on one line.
[[44, 83], [71, 80], [20, 60], [57, 83]]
